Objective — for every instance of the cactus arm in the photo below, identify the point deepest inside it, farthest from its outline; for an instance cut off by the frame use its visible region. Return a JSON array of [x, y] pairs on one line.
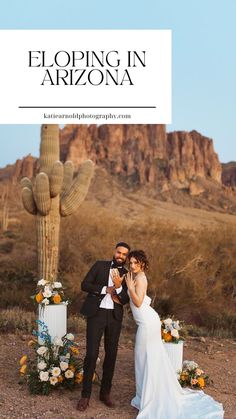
[[56, 179], [28, 200], [42, 193], [72, 200], [49, 147], [26, 182], [53, 188], [68, 176]]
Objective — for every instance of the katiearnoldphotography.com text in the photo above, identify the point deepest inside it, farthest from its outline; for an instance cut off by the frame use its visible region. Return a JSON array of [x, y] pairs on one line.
[[86, 116]]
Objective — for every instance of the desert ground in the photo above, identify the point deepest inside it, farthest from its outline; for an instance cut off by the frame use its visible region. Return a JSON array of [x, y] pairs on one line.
[[216, 356]]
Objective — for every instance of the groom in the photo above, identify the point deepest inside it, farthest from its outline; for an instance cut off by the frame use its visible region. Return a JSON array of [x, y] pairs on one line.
[[103, 308]]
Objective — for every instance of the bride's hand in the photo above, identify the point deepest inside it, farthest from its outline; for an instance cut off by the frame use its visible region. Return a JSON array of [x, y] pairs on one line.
[[130, 281]]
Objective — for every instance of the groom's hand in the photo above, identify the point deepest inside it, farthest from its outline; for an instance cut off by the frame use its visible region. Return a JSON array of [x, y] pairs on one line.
[[117, 280], [115, 298], [110, 290]]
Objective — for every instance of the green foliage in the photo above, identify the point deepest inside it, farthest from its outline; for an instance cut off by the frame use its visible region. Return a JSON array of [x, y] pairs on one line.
[[192, 376], [54, 362]]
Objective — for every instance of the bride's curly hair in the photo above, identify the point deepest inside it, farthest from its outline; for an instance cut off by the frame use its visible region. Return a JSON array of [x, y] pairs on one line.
[[141, 257]]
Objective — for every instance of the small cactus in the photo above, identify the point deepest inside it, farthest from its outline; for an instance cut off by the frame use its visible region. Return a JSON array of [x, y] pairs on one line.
[[53, 194]]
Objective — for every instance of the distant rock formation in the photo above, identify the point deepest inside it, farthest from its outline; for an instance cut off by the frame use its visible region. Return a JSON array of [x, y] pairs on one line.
[[179, 166], [144, 154], [229, 174]]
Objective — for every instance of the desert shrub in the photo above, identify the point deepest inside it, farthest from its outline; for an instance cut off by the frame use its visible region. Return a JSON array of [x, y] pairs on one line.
[[6, 246], [16, 288], [192, 273], [17, 319], [14, 319], [76, 324], [10, 234]]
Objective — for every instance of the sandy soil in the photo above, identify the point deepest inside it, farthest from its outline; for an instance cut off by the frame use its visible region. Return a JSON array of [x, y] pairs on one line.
[[217, 357]]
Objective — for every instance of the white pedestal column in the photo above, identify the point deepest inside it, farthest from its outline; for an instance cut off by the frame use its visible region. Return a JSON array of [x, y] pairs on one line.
[[175, 353], [55, 317]]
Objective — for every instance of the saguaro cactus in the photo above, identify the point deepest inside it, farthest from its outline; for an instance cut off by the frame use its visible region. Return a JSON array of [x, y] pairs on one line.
[[53, 194]]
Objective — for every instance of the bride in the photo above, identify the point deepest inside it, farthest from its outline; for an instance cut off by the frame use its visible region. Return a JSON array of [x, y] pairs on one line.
[[158, 392]]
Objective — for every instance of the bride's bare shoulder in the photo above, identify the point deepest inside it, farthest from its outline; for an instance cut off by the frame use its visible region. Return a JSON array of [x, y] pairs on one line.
[[141, 277]]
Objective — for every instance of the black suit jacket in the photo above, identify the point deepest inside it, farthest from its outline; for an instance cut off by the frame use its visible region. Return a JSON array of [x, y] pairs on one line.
[[94, 281]]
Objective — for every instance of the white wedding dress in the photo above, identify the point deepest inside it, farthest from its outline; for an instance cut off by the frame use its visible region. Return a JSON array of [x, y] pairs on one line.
[[158, 392]]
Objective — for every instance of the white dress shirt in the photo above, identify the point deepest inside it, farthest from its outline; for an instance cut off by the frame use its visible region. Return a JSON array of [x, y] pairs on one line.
[[107, 301]]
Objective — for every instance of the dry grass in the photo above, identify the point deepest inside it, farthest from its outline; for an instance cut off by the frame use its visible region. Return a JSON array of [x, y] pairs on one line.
[[192, 270]]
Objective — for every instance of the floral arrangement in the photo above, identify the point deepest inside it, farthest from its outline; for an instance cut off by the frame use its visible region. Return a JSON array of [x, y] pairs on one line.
[[49, 293], [55, 363], [192, 376], [170, 330]]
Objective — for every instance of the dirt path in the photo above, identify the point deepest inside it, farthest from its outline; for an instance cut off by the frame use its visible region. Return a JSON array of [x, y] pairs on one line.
[[217, 357]]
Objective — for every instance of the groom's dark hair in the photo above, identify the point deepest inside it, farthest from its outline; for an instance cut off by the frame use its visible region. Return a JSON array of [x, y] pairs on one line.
[[123, 244]]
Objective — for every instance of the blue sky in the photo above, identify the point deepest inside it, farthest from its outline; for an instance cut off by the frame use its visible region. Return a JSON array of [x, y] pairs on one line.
[[204, 59]]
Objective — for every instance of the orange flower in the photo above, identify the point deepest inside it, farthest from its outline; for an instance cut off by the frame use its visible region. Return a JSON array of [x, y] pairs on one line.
[[72, 368], [56, 298], [32, 342], [201, 382], [184, 376], [167, 337], [74, 350], [79, 377], [23, 369], [60, 378], [23, 359], [39, 297]]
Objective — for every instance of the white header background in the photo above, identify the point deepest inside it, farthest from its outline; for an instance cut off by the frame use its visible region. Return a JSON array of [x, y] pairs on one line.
[[20, 85]]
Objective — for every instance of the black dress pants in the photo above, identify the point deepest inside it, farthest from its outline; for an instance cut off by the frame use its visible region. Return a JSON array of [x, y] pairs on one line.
[[105, 323]]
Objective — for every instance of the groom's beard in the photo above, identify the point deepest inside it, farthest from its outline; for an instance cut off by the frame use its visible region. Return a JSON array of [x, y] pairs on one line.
[[117, 264]]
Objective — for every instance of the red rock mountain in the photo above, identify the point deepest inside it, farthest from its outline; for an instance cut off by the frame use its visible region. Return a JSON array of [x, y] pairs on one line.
[[171, 166], [229, 174], [144, 154]]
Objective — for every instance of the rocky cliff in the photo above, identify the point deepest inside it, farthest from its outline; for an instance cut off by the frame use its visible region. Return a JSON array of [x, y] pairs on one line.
[[142, 156], [145, 154], [229, 174]]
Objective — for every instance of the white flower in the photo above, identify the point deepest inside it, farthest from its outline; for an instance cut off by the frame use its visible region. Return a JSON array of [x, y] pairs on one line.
[[199, 371], [64, 365], [45, 301], [57, 341], [41, 350], [70, 336], [56, 371], [57, 284], [67, 355], [47, 293], [168, 322], [176, 325], [192, 365], [41, 365], [185, 363], [53, 380], [41, 282], [165, 331], [69, 374], [43, 375], [175, 333]]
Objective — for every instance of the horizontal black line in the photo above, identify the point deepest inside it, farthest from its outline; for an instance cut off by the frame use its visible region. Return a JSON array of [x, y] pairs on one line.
[[87, 107]]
